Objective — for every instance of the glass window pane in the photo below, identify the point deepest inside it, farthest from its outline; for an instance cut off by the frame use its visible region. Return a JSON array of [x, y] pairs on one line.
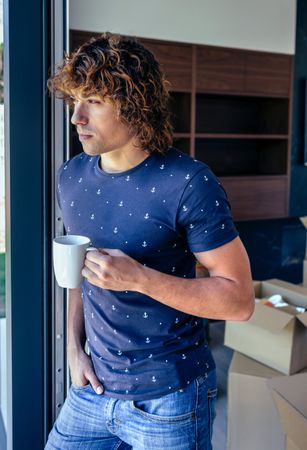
[[3, 384]]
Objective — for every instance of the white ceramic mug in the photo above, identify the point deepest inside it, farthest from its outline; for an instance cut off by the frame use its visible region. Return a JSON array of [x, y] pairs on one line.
[[68, 259]]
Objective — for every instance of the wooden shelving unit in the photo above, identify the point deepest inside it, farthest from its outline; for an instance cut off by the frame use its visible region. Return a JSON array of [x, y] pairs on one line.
[[233, 113], [231, 109]]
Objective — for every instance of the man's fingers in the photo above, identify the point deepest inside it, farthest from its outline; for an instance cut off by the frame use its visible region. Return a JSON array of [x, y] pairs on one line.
[[97, 388], [79, 383], [113, 251], [97, 257], [103, 251], [89, 273], [96, 385], [92, 267], [103, 256]]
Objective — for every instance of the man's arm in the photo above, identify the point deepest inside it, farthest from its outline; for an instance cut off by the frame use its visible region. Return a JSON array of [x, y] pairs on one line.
[[80, 364], [228, 294], [75, 332]]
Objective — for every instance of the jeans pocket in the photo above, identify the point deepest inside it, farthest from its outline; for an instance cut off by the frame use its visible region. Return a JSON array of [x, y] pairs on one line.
[[177, 406], [81, 388], [161, 418]]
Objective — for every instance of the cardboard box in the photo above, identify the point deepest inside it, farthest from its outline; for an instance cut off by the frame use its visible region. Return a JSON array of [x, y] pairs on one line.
[[253, 421], [290, 445], [271, 336], [290, 396]]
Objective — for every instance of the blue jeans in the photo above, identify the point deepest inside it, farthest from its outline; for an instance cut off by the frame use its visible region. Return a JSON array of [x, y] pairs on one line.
[[181, 420]]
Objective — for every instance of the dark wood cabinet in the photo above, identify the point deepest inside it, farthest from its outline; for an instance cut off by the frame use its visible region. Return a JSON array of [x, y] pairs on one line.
[[236, 118], [268, 73], [231, 109], [257, 197], [219, 69], [176, 61]]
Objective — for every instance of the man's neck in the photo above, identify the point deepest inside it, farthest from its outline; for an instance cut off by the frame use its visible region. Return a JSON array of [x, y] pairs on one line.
[[121, 161]]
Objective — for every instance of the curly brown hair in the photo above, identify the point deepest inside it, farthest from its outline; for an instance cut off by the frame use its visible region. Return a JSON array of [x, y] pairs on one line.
[[123, 70]]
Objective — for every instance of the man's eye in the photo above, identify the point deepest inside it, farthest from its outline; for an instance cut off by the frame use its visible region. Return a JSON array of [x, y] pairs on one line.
[[93, 101]]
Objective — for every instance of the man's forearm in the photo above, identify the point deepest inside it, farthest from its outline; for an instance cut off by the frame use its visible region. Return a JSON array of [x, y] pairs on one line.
[[75, 329], [213, 298], [228, 294]]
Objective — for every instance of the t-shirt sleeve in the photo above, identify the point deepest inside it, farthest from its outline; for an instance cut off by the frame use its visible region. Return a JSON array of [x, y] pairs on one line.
[[204, 213]]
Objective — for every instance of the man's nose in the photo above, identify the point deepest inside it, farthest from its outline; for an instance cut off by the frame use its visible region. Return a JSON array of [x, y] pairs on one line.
[[79, 115]]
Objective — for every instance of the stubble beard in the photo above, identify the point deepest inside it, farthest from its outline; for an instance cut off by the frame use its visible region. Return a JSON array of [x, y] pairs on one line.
[[92, 150]]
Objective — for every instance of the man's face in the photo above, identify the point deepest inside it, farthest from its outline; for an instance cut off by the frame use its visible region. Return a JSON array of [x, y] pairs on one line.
[[99, 129]]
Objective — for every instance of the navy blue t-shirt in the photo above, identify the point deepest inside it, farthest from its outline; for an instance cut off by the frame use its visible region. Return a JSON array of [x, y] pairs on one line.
[[158, 212]]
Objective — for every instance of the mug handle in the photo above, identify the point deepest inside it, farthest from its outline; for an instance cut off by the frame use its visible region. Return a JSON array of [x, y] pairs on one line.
[[91, 249]]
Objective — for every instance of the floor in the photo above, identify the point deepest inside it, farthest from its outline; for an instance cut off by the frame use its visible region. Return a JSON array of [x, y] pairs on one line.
[[222, 356]]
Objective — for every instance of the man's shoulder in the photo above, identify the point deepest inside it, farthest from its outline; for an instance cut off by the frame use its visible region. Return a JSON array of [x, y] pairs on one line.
[[181, 163], [75, 163]]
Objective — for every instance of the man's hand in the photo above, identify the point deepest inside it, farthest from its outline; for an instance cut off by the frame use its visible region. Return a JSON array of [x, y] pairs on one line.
[[112, 269], [82, 371]]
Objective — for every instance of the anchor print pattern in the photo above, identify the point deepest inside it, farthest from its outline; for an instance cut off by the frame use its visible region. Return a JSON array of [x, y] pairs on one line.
[[135, 212]]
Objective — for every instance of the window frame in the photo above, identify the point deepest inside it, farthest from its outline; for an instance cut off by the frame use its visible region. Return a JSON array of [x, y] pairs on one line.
[[35, 36]]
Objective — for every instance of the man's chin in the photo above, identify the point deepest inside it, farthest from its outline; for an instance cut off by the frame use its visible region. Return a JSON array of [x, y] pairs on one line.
[[90, 152]]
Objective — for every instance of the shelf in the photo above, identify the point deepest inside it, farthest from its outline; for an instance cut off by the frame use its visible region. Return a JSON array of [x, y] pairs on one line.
[[182, 135], [175, 59], [256, 197], [241, 136], [254, 177], [230, 108], [219, 68], [245, 71], [180, 106], [180, 90], [243, 94], [237, 157], [233, 114], [183, 144]]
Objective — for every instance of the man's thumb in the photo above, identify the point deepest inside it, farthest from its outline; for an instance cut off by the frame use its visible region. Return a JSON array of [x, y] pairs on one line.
[[98, 388]]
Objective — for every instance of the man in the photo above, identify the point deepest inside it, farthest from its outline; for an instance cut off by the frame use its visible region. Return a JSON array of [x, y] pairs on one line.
[[149, 380]]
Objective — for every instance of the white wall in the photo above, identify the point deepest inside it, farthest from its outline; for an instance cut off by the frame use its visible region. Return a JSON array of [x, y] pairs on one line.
[[267, 25]]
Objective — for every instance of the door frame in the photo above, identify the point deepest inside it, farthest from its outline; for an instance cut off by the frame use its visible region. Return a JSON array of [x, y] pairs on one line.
[[34, 39]]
